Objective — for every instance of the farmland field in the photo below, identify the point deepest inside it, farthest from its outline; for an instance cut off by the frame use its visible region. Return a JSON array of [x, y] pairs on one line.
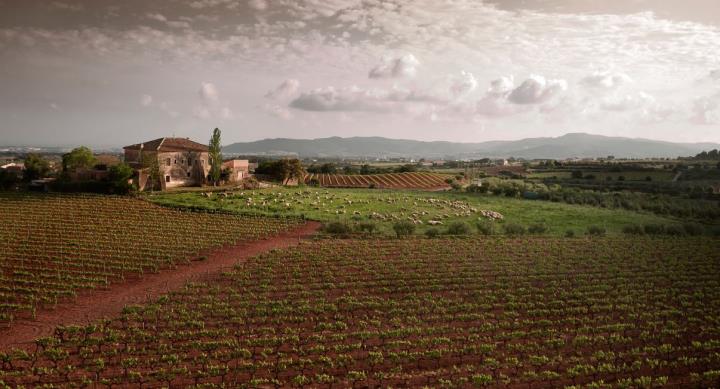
[[52, 246], [384, 207], [519, 313], [386, 181]]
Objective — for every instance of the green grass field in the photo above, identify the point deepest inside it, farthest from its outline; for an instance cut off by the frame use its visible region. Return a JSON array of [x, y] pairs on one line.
[[385, 207]]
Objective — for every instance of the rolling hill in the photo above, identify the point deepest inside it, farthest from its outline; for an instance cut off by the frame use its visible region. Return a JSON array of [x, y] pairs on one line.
[[571, 145]]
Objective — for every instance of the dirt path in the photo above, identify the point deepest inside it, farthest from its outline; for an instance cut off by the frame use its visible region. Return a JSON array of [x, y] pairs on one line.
[[90, 306]]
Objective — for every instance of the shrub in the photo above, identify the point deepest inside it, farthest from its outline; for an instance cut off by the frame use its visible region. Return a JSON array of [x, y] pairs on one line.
[[485, 227], [403, 228], [458, 228], [569, 234], [365, 227], [432, 232], [514, 229], [674, 229], [337, 228], [654, 229], [693, 229], [596, 231], [537, 228], [633, 229]]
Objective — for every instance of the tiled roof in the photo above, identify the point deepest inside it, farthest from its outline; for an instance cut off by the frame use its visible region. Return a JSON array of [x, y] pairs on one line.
[[169, 144]]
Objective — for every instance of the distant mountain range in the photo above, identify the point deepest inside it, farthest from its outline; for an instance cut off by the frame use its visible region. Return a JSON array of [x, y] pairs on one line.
[[573, 145]]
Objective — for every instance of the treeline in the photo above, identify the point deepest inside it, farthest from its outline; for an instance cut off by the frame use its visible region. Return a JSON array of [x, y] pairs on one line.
[[656, 203], [712, 155]]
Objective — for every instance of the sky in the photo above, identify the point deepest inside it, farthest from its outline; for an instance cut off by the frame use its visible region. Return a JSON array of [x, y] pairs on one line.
[[108, 73]]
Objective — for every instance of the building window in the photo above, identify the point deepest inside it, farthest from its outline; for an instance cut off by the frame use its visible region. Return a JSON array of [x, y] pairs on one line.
[[174, 161], [189, 161], [167, 178], [167, 162], [188, 174]]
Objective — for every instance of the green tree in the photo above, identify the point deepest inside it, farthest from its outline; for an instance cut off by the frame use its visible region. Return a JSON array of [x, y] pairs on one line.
[[215, 154], [79, 157], [35, 167], [291, 169], [120, 175]]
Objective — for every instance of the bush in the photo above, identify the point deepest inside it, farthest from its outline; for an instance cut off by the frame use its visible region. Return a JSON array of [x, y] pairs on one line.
[[569, 234], [654, 229], [366, 227], [596, 231], [693, 229], [337, 228], [633, 229], [485, 227], [458, 228], [537, 228], [432, 232], [514, 229], [674, 229], [403, 228]]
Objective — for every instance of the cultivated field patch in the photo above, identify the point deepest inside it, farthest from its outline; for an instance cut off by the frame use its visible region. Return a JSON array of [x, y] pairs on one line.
[[408, 180], [518, 313], [52, 246]]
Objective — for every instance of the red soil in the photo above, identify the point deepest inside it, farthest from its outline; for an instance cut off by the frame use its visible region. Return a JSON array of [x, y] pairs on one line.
[[90, 306]]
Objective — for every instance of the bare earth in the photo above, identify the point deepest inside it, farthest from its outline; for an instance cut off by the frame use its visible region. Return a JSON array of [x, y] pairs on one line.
[[90, 306]]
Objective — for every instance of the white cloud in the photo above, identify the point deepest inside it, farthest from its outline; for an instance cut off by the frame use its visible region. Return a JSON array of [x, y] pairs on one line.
[[146, 100], [706, 110], [67, 7], [627, 102], [714, 75], [156, 16], [346, 99], [463, 84], [536, 90], [208, 93], [402, 67], [278, 111], [606, 80], [258, 5], [286, 89]]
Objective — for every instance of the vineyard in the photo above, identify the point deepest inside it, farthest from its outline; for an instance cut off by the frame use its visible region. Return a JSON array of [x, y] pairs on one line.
[[381, 181], [518, 313], [52, 246]]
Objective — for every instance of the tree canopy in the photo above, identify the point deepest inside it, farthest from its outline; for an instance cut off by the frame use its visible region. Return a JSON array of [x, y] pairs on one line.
[[35, 167], [215, 155], [79, 157]]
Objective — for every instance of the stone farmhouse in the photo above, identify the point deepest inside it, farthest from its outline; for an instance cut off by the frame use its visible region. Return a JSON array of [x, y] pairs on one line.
[[181, 162]]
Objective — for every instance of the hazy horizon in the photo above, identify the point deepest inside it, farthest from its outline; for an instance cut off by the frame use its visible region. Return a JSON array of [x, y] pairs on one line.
[[110, 73]]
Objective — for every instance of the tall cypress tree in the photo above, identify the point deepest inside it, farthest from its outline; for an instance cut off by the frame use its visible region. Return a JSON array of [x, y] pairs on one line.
[[215, 157]]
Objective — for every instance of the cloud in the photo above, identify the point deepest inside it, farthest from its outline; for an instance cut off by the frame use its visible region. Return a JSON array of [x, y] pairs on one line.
[[208, 93], [501, 87], [211, 106], [156, 16], [54, 107], [402, 67], [67, 7], [536, 90], [714, 75], [627, 102], [146, 100], [463, 85], [706, 110], [278, 111], [286, 89], [606, 80], [346, 99], [200, 4], [258, 5]]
